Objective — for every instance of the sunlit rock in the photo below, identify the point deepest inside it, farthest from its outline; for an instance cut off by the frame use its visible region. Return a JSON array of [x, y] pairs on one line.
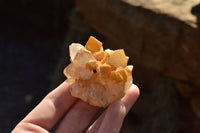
[[96, 76]]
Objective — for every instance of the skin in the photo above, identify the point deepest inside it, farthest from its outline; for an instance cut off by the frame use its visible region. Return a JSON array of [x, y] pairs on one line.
[[78, 115]]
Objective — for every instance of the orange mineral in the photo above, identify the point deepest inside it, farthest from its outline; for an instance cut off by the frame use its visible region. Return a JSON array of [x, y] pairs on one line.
[[98, 76]]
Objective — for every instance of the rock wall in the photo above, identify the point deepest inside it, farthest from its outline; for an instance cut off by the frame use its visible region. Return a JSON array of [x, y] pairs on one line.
[[161, 37], [160, 107], [157, 40]]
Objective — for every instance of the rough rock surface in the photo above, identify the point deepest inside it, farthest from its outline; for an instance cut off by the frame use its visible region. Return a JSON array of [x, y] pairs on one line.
[[180, 9], [177, 44], [160, 108], [96, 76], [161, 35]]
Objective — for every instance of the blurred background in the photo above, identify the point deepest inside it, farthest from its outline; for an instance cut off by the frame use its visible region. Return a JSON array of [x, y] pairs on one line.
[[160, 37]]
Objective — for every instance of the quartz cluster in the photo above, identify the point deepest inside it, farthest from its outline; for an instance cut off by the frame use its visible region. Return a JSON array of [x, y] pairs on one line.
[[98, 76]]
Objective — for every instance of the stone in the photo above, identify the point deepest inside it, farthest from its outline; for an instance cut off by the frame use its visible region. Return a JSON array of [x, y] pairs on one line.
[[161, 35], [158, 109], [93, 44], [96, 81], [158, 33], [195, 103], [73, 49], [117, 58], [71, 71]]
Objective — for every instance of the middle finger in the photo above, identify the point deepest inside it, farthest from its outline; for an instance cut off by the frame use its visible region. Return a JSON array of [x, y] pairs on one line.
[[81, 114]]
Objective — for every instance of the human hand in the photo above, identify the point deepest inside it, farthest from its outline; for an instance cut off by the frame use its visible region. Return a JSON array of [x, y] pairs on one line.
[[78, 115]]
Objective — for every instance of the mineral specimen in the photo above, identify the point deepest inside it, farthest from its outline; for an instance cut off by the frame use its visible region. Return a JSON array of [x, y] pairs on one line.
[[98, 76]]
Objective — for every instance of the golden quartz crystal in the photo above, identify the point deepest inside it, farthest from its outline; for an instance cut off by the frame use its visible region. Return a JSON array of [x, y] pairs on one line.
[[96, 76]]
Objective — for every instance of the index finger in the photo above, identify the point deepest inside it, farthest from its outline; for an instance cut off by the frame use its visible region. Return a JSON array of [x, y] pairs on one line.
[[51, 108]]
